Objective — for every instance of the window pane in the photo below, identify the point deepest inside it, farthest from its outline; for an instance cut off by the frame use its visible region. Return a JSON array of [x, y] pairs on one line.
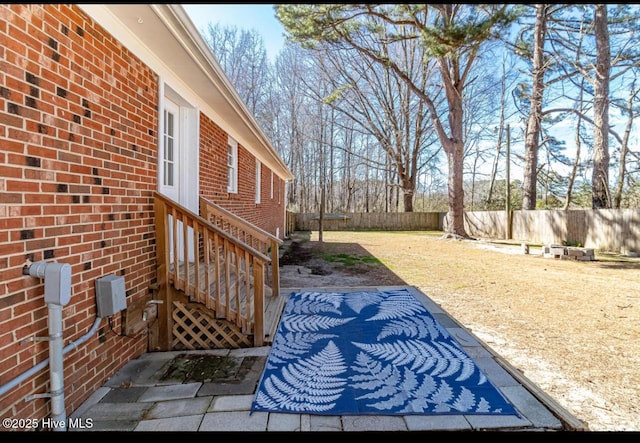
[[232, 167], [258, 180], [168, 152]]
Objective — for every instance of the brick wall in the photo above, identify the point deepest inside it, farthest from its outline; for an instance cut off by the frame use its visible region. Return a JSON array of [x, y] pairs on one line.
[[269, 213], [78, 137], [78, 131]]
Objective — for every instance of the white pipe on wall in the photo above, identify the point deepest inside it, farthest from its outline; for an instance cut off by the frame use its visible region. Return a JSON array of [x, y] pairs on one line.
[[57, 292], [56, 368]]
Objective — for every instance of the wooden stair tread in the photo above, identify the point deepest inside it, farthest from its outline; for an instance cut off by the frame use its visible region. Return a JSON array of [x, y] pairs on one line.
[[273, 312]]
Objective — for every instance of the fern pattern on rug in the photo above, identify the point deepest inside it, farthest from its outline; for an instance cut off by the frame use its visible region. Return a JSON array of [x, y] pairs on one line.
[[378, 352]]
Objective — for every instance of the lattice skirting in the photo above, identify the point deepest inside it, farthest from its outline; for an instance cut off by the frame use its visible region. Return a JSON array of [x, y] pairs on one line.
[[195, 327]]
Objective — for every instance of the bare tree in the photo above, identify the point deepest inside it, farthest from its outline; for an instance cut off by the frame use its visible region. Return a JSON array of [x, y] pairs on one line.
[[500, 132], [453, 35], [293, 118], [578, 142], [572, 55], [243, 58], [486, 108], [631, 111], [383, 105]]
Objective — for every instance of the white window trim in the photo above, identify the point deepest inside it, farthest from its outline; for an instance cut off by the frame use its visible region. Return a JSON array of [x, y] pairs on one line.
[[170, 144], [232, 166], [258, 181], [271, 185]]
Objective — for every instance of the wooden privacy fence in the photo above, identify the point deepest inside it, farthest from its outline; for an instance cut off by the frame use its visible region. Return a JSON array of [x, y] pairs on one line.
[[390, 221], [600, 229]]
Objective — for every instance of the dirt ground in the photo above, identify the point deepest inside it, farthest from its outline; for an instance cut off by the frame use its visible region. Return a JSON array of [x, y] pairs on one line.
[[571, 327]]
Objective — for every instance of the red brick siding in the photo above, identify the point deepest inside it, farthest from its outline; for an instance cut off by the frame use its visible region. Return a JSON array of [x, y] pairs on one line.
[[78, 131], [269, 213]]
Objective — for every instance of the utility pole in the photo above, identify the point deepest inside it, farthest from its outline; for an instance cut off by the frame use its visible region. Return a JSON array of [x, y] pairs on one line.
[[508, 186]]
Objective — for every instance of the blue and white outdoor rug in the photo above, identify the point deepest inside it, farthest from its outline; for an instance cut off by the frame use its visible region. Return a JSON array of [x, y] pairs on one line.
[[381, 353]]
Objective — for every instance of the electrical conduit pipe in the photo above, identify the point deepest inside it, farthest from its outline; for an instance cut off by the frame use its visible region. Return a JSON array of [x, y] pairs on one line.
[[57, 293], [43, 364]]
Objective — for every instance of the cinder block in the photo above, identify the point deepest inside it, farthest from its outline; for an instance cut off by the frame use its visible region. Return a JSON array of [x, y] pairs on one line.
[[557, 250]]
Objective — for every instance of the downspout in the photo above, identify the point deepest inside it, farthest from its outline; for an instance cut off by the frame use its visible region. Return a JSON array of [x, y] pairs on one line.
[[57, 292]]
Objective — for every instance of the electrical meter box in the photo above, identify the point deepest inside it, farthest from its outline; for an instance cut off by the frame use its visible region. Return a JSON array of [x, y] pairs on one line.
[[111, 296]]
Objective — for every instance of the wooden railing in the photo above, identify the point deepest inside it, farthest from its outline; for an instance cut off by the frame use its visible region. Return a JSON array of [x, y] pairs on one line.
[[249, 234], [210, 266]]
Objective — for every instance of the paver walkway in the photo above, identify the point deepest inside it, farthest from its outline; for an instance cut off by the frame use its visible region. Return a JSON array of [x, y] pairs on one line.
[[139, 398]]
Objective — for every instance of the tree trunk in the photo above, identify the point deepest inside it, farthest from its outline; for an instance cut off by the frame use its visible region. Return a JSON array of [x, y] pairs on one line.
[[535, 114], [574, 168], [624, 148], [321, 215], [494, 167], [407, 199], [347, 181], [455, 157], [454, 147], [496, 159], [600, 178]]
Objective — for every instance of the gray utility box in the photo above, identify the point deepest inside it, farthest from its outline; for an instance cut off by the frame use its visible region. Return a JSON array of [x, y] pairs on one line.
[[111, 296]]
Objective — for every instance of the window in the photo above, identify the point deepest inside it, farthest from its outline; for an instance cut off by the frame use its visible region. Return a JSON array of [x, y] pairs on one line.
[[271, 185], [258, 179], [168, 160], [232, 166]]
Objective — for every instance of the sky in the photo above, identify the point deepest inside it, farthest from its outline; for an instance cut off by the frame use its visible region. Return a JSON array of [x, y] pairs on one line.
[[260, 17]]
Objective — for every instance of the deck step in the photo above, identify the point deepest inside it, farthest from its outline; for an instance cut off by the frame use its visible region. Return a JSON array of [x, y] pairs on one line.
[[273, 311]]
